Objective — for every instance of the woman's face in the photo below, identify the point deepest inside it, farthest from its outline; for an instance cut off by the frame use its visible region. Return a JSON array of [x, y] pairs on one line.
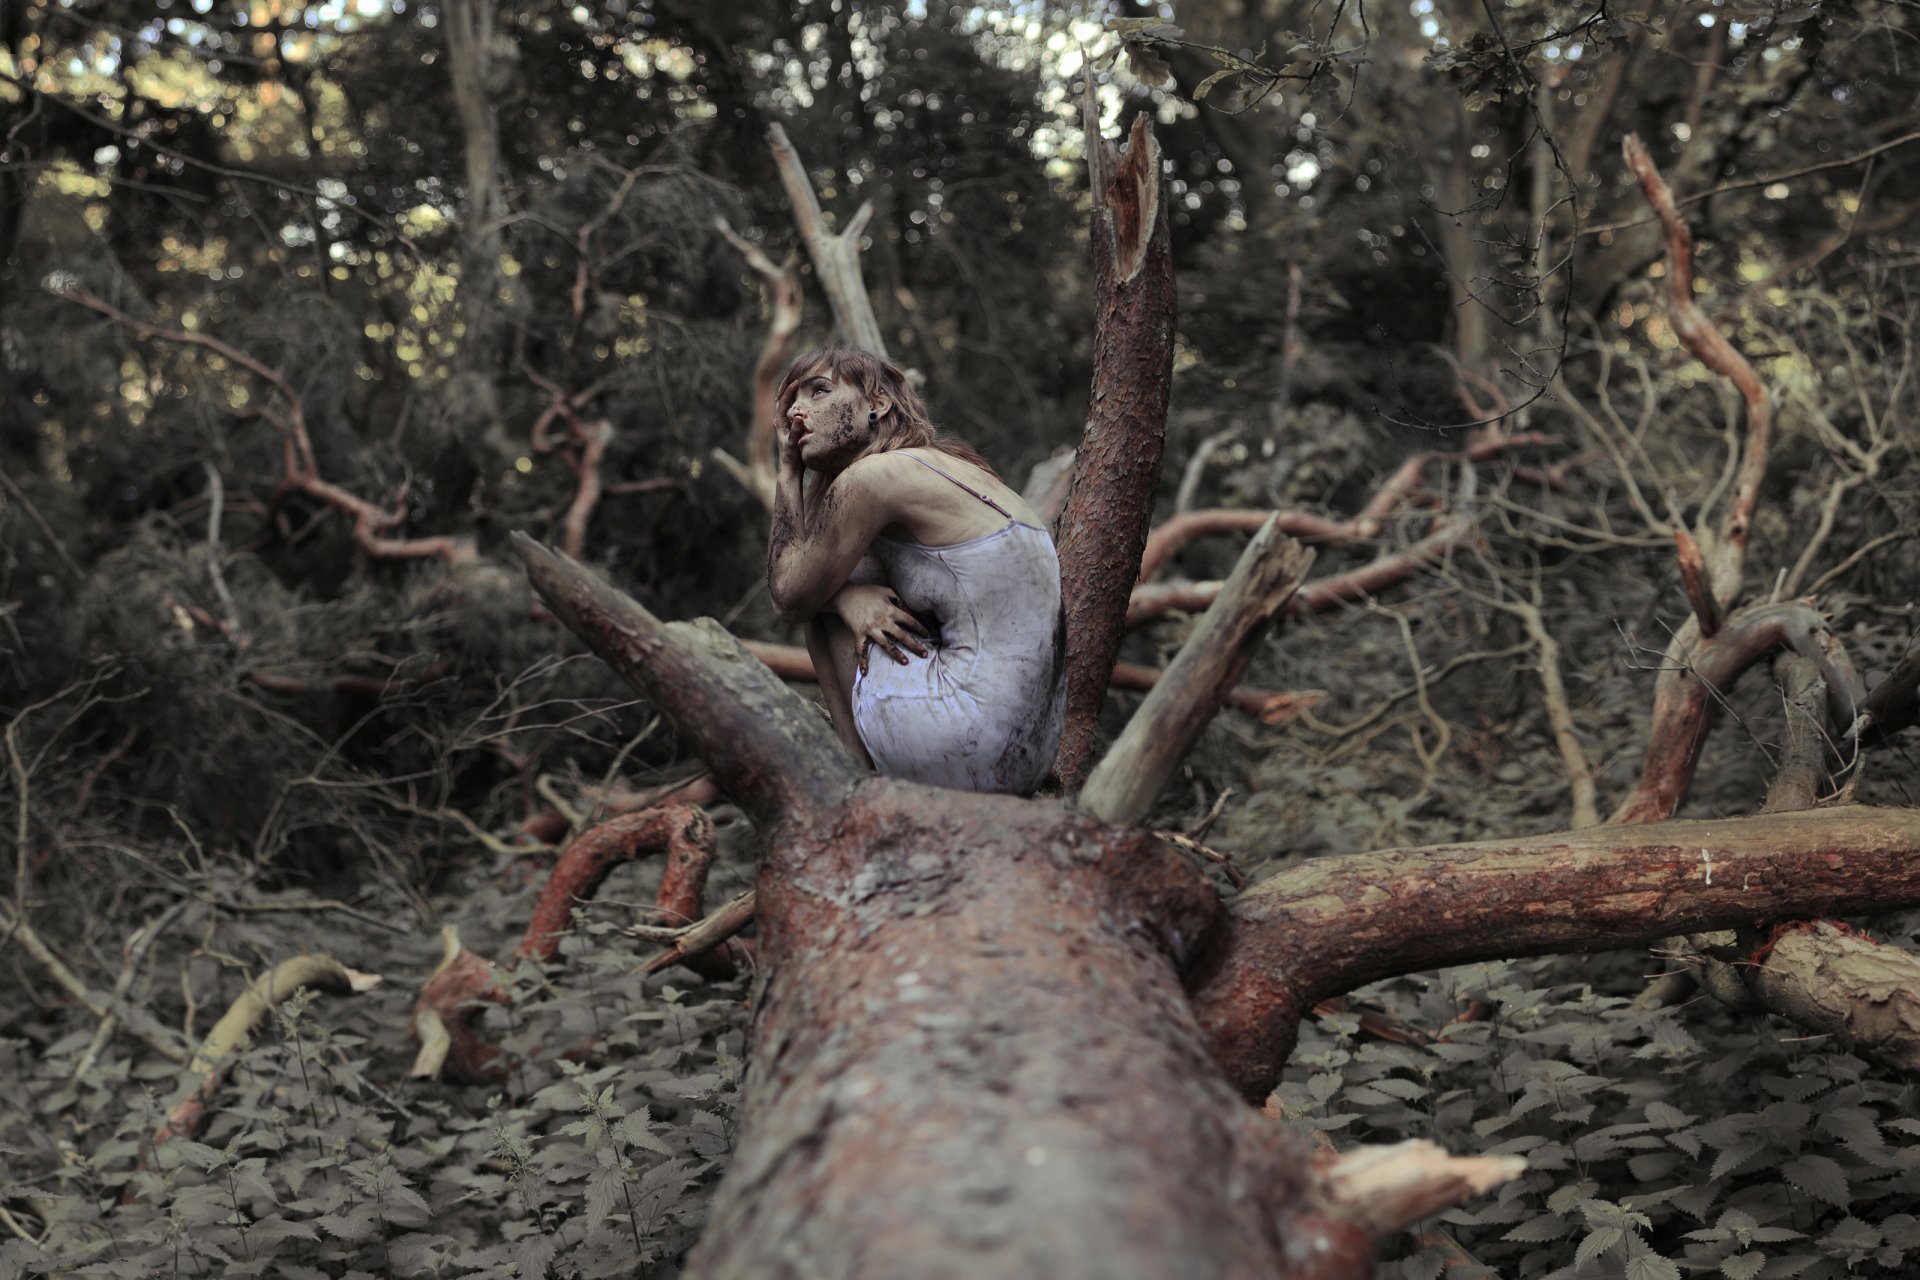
[[830, 420]]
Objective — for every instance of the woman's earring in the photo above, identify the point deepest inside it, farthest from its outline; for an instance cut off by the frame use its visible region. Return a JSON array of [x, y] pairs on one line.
[[873, 415]]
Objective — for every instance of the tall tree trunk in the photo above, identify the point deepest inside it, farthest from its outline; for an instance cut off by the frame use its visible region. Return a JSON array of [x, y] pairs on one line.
[[469, 27]]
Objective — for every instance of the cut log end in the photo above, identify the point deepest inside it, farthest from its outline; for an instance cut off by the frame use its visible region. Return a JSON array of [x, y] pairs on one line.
[[1387, 1189]]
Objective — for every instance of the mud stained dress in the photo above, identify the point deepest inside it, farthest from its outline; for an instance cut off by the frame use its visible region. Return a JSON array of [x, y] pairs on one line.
[[982, 711]]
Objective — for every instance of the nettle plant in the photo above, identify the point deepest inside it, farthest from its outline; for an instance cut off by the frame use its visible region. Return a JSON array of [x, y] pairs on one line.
[[315, 1168], [1752, 1153]]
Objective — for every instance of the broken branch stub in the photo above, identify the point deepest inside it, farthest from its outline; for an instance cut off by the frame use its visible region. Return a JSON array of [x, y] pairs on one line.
[[1123, 787], [769, 749], [1103, 529]]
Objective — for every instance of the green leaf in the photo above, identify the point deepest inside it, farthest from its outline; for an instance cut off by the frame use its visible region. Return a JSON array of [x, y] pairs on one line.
[[1653, 1167], [1540, 1230], [603, 1193], [1400, 1087], [1736, 1156], [1650, 1266], [1597, 1243], [1820, 1177], [1667, 1116], [1852, 1239], [1743, 1266]]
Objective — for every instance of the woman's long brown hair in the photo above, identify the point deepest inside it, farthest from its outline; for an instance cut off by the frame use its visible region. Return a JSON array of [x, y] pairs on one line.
[[905, 424]]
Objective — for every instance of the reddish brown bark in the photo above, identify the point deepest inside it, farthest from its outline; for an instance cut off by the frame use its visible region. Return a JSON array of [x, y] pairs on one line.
[[1711, 348], [682, 831], [549, 826], [1683, 708], [371, 523], [1001, 1069], [457, 994], [1693, 579], [1103, 529], [1333, 924], [972, 1053], [1155, 599]]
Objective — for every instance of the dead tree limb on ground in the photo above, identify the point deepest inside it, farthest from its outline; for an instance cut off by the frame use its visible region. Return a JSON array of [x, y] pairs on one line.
[[1335, 923], [446, 1014], [972, 1049], [215, 1057]]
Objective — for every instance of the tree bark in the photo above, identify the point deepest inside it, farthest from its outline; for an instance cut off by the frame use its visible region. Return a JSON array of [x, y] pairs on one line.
[[972, 1052], [1123, 786], [1103, 529], [469, 28], [1332, 924]]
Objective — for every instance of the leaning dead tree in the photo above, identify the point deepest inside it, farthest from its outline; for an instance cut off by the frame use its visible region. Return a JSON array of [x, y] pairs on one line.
[[1020, 1037]]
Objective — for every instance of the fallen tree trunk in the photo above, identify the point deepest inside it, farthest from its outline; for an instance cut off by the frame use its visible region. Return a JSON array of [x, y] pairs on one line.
[[972, 1052]]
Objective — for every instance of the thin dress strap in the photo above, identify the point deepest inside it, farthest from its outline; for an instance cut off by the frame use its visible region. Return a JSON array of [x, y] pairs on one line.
[[963, 486]]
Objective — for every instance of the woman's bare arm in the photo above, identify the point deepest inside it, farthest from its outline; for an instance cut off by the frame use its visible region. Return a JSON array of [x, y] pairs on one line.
[[817, 542]]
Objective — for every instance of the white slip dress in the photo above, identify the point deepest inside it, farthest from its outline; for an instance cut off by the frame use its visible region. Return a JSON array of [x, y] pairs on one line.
[[982, 711]]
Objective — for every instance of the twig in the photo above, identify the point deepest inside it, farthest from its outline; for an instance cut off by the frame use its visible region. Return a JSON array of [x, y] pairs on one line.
[[136, 953], [699, 937]]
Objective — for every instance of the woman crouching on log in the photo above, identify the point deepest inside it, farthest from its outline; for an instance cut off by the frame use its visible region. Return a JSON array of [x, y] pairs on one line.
[[905, 542]]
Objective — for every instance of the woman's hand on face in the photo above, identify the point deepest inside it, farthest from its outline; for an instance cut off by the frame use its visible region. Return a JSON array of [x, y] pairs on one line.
[[789, 435], [876, 617]]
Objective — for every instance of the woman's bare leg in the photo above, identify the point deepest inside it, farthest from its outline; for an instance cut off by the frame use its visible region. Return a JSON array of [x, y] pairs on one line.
[[835, 655]]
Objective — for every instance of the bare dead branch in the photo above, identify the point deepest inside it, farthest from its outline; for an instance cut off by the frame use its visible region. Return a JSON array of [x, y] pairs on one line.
[[681, 831], [836, 258], [1683, 707], [1709, 346], [1693, 578], [215, 1057], [768, 748], [1124, 785], [784, 301], [1154, 599], [695, 940]]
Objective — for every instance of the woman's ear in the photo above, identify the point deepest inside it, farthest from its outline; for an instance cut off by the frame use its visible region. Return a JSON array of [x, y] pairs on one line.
[[881, 403]]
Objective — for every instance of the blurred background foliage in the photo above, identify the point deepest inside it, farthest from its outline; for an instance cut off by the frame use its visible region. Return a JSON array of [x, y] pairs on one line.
[[414, 227]]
